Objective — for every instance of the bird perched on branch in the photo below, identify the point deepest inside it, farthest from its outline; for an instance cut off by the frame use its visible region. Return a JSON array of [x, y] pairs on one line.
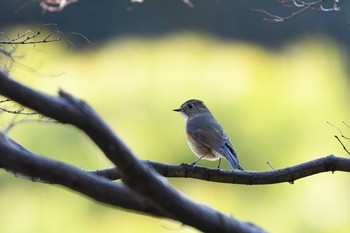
[[205, 136]]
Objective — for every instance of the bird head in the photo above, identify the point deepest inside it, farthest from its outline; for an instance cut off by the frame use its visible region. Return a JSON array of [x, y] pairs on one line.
[[192, 108]]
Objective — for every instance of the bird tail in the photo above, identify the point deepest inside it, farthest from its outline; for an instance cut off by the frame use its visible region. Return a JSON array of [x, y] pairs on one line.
[[231, 157]]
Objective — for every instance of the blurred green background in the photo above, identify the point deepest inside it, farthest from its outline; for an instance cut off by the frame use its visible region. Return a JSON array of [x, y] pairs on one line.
[[274, 105]]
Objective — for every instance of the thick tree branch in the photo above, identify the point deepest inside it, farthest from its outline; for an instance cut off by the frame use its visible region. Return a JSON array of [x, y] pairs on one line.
[[329, 163], [25, 164], [135, 175]]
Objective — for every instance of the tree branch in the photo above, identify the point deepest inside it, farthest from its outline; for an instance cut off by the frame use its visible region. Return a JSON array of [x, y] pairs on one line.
[[329, 163], [24, 163], [302, 7], [138, 177]]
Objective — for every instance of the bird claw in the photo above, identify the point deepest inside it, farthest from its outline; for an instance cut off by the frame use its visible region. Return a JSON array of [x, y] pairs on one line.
[[192, 164]]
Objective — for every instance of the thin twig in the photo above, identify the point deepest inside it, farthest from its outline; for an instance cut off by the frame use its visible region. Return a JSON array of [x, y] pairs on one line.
[[344, 147], [341, 134], [270, 165], [19, 111], [302, 7]]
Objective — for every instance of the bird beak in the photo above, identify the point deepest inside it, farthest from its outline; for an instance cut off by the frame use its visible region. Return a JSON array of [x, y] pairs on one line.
[[177, 110]]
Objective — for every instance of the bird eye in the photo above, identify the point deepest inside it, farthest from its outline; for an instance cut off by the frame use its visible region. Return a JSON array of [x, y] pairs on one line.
[[190, 106]]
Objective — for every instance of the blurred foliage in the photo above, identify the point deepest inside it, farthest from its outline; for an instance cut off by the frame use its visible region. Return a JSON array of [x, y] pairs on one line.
[[273, 104]]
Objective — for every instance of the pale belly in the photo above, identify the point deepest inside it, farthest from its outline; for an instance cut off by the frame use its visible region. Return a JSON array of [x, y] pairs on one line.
[[200, 151]]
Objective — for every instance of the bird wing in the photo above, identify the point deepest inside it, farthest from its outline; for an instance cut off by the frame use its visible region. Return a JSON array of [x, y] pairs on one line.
[[211, 135], [205, 130]]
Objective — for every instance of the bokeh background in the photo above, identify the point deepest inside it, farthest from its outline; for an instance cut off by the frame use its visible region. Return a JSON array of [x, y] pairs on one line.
[[272, 86]]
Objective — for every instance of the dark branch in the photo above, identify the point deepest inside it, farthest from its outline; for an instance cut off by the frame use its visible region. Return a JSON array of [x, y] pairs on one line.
[[329, 163], [24, 163], [138, 177]]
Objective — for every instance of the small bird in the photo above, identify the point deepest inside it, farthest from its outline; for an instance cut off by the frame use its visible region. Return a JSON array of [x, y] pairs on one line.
[[205, 136]]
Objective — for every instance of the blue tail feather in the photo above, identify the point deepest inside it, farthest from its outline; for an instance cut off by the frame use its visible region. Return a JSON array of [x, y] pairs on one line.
[[231, 158]]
